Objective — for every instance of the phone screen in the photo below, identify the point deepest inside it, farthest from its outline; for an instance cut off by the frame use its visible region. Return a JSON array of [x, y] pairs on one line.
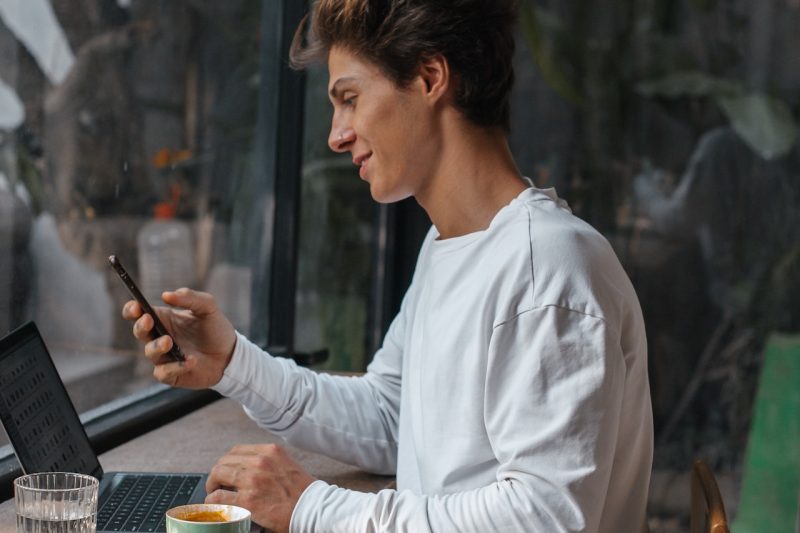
[[158, 328]]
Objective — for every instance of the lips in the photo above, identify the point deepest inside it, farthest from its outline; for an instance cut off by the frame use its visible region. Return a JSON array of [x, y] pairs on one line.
[[362, 162]]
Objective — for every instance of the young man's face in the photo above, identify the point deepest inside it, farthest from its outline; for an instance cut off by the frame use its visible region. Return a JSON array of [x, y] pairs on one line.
[[386, 129]]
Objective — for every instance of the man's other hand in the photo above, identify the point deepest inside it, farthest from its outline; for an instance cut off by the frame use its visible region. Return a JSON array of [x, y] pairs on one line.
[[261, 478]]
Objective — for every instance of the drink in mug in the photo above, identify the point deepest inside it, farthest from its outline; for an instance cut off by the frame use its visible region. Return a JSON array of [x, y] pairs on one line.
[[56, 502], [208, 518]]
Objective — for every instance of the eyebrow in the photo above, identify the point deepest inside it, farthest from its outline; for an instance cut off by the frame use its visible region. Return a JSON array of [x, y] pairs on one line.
[[334, 92]]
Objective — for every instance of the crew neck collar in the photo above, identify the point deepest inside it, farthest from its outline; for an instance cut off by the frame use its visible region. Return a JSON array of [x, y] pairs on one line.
[[529, 194]]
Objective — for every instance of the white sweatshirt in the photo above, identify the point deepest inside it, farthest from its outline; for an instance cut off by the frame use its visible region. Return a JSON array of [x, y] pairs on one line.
[[510, 393]]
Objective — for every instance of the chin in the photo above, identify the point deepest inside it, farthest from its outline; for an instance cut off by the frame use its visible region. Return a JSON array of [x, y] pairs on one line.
[[387, 196]]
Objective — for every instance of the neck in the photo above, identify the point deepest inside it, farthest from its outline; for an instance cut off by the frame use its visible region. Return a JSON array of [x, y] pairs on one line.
[[475, 177]]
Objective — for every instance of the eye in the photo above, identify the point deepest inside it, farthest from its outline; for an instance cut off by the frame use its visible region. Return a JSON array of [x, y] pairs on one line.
[[349, 99]]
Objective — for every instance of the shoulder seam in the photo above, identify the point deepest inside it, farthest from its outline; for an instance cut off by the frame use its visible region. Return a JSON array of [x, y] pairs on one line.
[[531, 208], [530, 251]]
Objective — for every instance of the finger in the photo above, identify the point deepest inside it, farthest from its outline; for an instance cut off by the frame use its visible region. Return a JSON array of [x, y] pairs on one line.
[[231, 459], [131, 310], [142, 327], [199, 303], [256, 449], [222, 476], [170, 373], [224, 497], [155, 349], [246, 461]]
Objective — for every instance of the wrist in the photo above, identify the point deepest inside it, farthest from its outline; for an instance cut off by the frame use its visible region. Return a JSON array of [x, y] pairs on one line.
[[232, 348]]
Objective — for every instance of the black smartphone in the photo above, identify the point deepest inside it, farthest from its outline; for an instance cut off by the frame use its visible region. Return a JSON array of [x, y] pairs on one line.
[[158, 328]]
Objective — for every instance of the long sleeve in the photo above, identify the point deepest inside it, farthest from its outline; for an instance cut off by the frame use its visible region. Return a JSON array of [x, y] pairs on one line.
[[352, 419], [553, 401]]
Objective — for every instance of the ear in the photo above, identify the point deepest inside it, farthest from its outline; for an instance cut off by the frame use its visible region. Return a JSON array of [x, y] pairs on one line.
[[434, 77]]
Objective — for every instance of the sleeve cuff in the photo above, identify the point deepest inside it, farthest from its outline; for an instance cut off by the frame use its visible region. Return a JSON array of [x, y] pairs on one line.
[[236, 372], [302, 515]]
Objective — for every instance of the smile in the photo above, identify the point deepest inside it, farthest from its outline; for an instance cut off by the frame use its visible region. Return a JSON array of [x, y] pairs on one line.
[[362, 162]]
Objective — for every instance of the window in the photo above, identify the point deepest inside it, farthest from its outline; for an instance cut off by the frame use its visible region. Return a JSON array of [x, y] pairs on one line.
[[141, 129]]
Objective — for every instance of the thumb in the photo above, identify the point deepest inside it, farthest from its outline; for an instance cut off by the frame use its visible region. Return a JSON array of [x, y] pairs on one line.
[[199, 303]]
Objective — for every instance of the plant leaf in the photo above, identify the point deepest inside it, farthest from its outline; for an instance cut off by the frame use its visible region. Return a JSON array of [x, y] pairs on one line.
[[765, 123], [533, 27]]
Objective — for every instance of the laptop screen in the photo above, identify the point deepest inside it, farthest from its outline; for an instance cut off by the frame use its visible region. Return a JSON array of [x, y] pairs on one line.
[[36, 412]]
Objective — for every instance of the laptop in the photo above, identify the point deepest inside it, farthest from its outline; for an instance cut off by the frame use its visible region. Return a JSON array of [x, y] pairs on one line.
[[47, 436]]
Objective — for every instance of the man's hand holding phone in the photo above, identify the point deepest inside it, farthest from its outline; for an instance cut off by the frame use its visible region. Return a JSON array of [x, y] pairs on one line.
[[205, 335]]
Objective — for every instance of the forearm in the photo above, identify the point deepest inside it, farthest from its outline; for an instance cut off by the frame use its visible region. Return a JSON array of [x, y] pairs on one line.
[[338, 416], [504, 506]]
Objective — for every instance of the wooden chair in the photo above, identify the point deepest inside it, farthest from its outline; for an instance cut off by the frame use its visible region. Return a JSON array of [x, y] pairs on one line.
[[707, 513]]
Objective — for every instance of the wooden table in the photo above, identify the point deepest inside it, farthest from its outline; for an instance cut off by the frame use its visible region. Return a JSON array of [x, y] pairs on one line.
[[195, 442]]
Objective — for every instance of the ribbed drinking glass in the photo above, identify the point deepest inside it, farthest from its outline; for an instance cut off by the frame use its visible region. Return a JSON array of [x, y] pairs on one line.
[[56, 502]]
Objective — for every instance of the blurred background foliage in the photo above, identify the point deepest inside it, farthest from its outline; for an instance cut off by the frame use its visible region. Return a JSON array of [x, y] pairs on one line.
[[672, 126]]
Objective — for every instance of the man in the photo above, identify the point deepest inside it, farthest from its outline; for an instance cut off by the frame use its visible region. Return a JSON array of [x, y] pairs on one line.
[[510, 393]]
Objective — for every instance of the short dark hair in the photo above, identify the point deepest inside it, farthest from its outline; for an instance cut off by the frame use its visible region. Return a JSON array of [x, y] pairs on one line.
[[475, 36]]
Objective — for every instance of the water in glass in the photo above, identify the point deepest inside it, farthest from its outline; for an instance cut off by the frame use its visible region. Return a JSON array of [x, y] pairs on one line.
[[56, 503]]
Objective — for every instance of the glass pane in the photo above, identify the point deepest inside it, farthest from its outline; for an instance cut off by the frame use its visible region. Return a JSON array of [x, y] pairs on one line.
[[126, 128], [337, 239], [673, 128]]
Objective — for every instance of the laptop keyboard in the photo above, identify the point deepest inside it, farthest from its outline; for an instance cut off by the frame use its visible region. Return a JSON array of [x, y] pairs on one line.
[[139, 502]]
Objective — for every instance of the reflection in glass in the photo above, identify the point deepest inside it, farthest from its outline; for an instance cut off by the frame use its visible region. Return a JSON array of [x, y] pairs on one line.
[[337, 240], [673, 128], [127, 128]]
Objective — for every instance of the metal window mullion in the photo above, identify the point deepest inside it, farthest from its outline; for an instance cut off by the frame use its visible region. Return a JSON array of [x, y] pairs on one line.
[[278, 160]]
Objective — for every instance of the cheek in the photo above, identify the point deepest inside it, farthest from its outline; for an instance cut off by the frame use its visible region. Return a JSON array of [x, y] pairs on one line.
[[406, 133], [391, 117], [400, 134]]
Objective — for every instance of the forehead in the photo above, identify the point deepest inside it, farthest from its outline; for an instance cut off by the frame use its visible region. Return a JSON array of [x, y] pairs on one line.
[[346, 67]]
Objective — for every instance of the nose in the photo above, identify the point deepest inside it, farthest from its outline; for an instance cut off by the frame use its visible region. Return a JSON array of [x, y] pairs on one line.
[[341, 138]]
